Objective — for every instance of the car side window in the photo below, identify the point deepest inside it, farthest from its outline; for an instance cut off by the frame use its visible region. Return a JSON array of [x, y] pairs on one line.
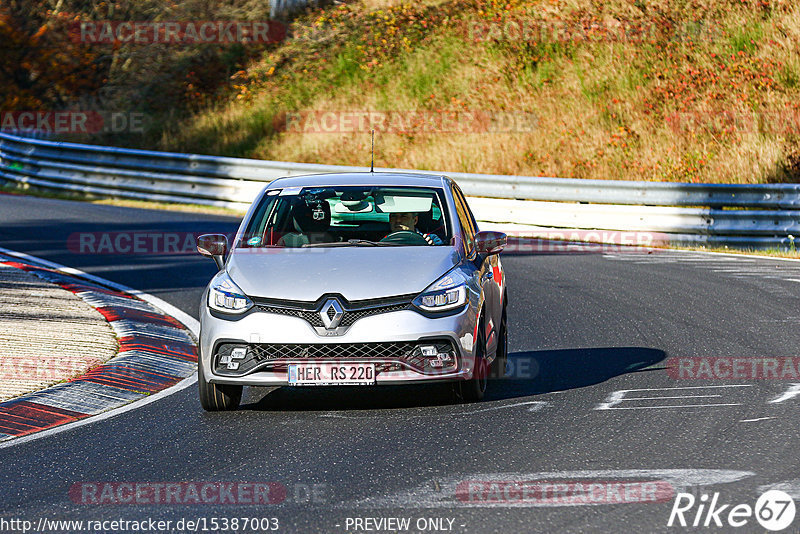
[[465, 219], [469, 211]]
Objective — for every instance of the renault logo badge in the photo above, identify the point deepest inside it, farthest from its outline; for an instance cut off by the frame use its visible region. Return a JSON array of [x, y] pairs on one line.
[[331, 314]]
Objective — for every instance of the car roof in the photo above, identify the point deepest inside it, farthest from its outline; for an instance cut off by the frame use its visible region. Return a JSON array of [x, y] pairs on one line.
[[360, 178]]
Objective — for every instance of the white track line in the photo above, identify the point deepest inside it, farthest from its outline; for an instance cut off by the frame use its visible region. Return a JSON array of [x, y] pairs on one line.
[[672, 254], [756, 419], [188, 321], [731, 255]]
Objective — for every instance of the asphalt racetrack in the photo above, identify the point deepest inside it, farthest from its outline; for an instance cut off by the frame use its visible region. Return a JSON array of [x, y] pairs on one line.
[[588, 404]]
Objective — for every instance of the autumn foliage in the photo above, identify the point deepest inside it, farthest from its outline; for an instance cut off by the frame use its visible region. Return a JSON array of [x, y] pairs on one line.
[[46, 66], [39, 69]]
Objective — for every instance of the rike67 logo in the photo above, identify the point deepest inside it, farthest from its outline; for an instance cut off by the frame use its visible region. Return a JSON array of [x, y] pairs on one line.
[[774, 511]]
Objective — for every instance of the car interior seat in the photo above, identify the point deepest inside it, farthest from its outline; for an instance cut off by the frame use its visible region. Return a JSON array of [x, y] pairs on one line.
[[310, 222]]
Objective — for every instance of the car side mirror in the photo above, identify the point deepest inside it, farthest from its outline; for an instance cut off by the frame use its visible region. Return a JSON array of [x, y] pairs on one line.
[[490, 242], [215, 246]]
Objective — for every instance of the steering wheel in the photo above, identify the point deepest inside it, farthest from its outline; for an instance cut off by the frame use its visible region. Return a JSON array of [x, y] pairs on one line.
[[405, 237]]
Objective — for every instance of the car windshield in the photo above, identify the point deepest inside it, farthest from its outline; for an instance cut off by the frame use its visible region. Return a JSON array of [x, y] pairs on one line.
[[348, 216]]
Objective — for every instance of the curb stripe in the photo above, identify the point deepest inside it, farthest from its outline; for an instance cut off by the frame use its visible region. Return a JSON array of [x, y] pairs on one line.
[[83, 287], [100, 300], [175, 349], [129, 328], [123, 375], [155, 353], [166, 364], [24, 417], [116, 313], [125, 382], [84, 397]]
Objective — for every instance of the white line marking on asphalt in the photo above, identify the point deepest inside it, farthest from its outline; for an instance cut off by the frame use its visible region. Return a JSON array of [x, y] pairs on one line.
[[734, 257], [190, 322], [669, 406], [791, 392], [750, 270], [678, 397], [792, 487], [790, 319], [756, 419], [675, 255], [718, 261], [534, 406], [619, 396]]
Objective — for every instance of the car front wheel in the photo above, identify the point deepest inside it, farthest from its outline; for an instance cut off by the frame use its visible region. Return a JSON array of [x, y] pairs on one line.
[[473, 390], [217, 397], [501, 358]]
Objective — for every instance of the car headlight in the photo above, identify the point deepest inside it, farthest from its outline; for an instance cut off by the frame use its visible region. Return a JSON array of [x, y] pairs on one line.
[[226, 297], [447, 293]]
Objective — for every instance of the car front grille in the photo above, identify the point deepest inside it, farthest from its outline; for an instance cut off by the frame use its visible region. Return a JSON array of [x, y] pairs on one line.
[[333, 351], [353, 311], [312, 317], [351, 316]]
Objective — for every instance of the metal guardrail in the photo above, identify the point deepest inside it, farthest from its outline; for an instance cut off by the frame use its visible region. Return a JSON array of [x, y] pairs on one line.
[[763, 215], [285, 8]]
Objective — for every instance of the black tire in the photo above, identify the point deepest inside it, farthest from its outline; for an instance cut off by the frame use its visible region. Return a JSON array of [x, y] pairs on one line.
[[501, 358], [474, 389], [217, 397]]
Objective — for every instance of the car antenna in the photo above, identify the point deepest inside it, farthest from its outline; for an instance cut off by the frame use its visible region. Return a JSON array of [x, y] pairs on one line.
[[372, 162]]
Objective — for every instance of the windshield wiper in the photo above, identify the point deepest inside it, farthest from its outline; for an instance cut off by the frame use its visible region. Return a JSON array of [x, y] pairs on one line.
[[352, 242], [367, 242]]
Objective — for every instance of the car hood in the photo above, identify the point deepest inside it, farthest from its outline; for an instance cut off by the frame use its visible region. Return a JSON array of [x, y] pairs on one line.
[[356, 273]]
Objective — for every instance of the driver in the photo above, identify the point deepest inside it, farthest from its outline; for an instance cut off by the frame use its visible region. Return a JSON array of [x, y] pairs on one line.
[[406, 221]]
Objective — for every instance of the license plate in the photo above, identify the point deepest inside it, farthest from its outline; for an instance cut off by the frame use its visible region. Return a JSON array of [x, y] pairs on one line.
[[331, 374]]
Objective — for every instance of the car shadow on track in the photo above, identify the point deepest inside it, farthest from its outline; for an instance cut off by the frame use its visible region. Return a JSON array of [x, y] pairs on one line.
[[346, 398], [545, 371], [527, 373]]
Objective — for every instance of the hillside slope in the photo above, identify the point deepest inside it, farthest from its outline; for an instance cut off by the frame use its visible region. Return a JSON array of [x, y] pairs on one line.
[[674, 90]]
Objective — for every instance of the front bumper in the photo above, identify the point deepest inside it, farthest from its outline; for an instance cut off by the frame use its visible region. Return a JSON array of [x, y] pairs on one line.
[[386, 334]]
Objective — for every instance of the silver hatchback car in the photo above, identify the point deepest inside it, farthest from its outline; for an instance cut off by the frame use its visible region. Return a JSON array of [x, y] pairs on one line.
[[353, 279]]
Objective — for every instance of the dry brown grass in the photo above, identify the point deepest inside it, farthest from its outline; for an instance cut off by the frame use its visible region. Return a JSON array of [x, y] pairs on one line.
[[672, 109]]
